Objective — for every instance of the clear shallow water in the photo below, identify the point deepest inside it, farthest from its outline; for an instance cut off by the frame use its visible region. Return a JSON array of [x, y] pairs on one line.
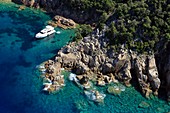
[[20, 84]]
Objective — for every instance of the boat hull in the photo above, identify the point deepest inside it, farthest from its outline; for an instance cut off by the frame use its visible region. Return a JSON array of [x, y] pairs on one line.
[[44, 36]]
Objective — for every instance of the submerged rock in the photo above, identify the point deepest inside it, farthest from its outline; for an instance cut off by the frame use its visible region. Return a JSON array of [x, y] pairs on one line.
[[116, 89], [113, 90], [81, 105], [144, 105]]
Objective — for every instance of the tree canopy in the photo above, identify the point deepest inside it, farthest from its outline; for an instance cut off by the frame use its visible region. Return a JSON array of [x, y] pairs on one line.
[[138, 24]]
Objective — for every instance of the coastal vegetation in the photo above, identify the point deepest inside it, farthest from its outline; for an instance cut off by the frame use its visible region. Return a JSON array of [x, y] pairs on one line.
[[97, 6], [138, 25], [82, 30]]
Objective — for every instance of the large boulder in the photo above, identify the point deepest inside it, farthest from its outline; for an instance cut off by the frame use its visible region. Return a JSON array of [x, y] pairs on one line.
[[91, 62], [68, 60], [81, 68]]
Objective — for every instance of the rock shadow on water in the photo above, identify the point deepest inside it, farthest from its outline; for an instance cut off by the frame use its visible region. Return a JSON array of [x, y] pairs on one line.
[[54, 52], [53, 42]]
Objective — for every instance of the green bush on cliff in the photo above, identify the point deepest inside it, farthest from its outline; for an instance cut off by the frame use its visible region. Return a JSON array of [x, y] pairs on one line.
[[91, 5], [77, 37], [82, 31], [139, 25]]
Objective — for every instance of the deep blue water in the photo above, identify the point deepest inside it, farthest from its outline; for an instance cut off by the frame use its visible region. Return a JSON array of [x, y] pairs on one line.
[[20, 82]]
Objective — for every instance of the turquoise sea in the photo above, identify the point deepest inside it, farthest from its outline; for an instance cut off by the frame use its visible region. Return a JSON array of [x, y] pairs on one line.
[[20, 82]]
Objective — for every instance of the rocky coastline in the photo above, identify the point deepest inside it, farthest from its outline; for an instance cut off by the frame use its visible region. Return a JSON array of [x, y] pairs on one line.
[[91, 58], [51, 74]]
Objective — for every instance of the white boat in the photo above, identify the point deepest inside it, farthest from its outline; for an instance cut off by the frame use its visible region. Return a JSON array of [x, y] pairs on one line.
[[48, 30]]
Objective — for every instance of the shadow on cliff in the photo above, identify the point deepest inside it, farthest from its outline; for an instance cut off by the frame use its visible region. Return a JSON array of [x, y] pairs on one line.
[[162, 59], [134, 81]]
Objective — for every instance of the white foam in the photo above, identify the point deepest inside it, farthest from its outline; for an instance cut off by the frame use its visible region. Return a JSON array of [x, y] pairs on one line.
[[72, 76]]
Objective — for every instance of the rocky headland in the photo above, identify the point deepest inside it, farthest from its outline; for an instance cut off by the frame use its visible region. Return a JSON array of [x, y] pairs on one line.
[[92, 59]]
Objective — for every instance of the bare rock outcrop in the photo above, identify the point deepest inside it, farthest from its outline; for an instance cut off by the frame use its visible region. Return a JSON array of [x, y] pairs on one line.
[[59, 21], [147, 74], [51, 74], [122, 67], [90, 55]]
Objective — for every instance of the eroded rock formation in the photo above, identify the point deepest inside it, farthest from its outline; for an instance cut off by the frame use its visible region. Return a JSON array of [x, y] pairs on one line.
[[91, 57], [147, 74]]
